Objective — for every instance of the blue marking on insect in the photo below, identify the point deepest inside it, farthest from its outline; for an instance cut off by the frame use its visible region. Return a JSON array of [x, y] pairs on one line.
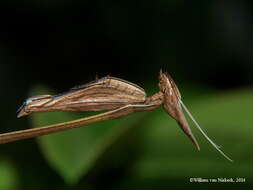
[[29, 100]]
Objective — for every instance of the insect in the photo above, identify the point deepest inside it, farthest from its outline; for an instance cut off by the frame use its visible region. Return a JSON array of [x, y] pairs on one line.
[[117, 96]]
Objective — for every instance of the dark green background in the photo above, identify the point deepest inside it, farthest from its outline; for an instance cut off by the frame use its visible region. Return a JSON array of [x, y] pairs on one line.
[[205, 45]]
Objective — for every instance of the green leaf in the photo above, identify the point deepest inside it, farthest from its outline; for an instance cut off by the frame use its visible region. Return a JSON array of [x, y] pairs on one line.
[[9, 177], [73, 153]]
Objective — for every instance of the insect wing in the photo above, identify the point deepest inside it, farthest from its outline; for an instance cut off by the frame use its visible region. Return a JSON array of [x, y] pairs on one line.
[[104, 94]]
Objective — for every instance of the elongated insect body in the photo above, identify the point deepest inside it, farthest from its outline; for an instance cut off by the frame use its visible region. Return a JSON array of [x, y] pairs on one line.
[[104, 94]]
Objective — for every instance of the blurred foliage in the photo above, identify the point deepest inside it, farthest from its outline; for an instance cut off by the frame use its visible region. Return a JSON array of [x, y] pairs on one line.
[[72, 153], [9, 179]]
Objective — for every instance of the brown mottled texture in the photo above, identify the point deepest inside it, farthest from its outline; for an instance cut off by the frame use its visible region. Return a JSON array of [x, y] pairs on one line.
[[104, 94]]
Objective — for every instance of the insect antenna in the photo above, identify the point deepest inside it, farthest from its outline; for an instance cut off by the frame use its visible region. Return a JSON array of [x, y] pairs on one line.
[[203, 133]]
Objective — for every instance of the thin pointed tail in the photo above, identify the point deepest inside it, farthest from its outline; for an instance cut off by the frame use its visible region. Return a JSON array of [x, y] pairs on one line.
[[187, 130]]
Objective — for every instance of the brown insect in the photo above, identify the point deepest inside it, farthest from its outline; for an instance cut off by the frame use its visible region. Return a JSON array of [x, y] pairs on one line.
[[118, 96]]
